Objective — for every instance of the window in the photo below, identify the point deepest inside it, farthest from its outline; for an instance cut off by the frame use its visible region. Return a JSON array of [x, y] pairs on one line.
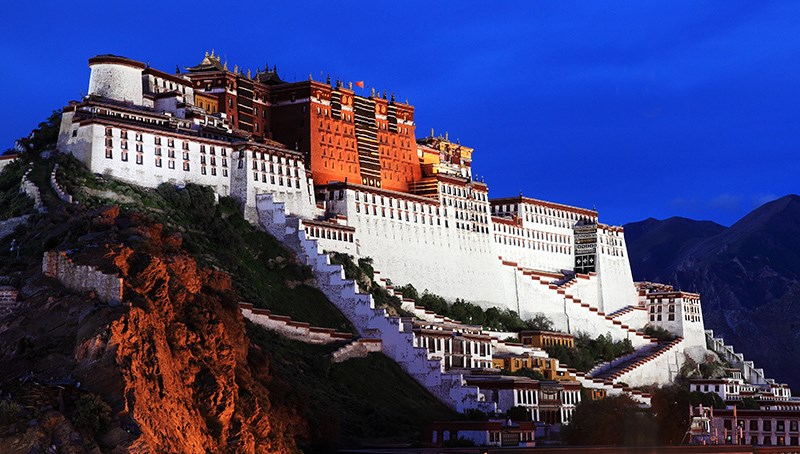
[[186, 166], [139, 159], [158, 161], [171, 164], [124, 156], [109, 153]]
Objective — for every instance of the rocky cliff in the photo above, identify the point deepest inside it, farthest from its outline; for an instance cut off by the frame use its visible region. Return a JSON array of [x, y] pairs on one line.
[[174, 362]]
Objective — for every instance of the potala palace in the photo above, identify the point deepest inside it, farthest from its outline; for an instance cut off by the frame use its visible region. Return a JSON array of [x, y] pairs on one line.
[[325, 168]]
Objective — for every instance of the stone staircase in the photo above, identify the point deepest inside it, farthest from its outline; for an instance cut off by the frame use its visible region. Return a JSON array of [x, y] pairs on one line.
[[750, 372], [370, 322], [601, 321], [503, 346], [612, 370], [620, 312]]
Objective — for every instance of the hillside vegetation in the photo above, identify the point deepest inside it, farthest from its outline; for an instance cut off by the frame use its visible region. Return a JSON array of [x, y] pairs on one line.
[[178, 358]]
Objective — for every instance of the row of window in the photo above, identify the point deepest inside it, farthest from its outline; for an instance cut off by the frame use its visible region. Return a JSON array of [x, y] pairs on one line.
[[281, 168], [159, 162], [139, 137], [546, 211], [329, 234], [532, 234], [280, 180], [536, 245]]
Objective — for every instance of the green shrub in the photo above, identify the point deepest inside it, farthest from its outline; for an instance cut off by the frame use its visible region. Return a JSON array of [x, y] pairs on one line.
[[91, 413], [472, 314], [9, 410], [659, 333], [588, 352]]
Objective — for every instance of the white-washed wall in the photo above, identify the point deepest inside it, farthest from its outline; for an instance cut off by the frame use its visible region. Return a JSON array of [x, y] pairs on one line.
[[272, 171], [116, 81], [108, 287], [614, 271], [4, 161], [433, 254]]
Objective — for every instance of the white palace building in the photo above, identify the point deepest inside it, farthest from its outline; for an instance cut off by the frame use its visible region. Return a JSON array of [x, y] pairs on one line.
[[322, 167]]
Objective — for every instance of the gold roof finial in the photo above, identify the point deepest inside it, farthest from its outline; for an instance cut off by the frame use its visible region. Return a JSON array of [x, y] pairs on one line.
[[225, 66], [236, 69], [212, 53], [249, 74], [206, 53]]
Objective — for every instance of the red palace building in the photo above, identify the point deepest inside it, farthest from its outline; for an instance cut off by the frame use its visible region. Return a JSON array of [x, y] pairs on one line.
[[344, 136]]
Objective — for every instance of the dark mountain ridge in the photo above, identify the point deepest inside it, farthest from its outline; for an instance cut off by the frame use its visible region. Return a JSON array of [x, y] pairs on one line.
[[747, 274]]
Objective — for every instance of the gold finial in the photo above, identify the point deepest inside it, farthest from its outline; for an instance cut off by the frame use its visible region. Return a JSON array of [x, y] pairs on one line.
[[249, 76], [373, 92], [225, 66], [212, 53], [310, 77], [206, 53], [236, 69], [350, 85], [431, 132]]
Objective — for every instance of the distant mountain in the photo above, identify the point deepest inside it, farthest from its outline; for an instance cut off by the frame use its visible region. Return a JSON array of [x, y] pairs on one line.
[[748, 276]]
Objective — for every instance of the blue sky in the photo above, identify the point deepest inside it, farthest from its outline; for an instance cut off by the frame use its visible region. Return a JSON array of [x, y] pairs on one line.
[[638, 109]]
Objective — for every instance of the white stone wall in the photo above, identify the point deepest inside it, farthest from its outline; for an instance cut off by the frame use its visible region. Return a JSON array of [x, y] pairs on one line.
[[686, 315], [299, 331], [116, 81], [614, 271], [427, 250], [82, 278], [270, 171], [5, 160]]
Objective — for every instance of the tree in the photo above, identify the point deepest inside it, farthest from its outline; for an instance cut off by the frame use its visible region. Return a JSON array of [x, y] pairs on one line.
[[540, 322], [614, 420]]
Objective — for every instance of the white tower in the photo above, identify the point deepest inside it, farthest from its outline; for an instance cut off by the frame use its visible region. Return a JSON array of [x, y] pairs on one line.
[[116, 78]]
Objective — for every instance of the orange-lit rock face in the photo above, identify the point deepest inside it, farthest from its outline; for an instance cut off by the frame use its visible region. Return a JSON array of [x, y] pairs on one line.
[[183, 355]]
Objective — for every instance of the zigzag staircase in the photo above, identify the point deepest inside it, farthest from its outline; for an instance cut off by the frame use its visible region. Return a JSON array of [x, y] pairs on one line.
[[750, 372], [500, 345], [560, 287], [369, 321]]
